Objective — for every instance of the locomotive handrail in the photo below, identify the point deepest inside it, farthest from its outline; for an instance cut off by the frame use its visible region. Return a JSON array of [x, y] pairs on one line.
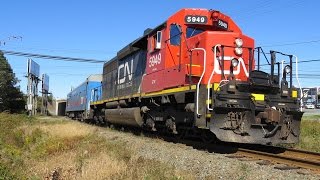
[[264, 54], [201, 77], [223, 80], [221, 63], [298, 81], [209, 81]]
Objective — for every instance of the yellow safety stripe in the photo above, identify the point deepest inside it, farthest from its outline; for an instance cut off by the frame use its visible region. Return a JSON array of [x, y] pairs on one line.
[[208, 101], [257, 97], [215, 86], [195, 65], [294, 94], [166, 91]]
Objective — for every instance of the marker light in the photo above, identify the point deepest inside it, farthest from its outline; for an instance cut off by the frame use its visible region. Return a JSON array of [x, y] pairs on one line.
[[238, 42], [287, 69], [234, 62], [238, 50]]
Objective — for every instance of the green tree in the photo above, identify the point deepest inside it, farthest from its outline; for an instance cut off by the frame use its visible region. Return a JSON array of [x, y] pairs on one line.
[[11, 98]]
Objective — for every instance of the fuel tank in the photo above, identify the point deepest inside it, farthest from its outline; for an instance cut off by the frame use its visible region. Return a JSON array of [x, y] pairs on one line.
[[125, 116]]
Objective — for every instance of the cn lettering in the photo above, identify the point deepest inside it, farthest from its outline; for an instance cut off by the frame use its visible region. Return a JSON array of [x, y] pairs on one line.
[[217, 69], [128, 69]]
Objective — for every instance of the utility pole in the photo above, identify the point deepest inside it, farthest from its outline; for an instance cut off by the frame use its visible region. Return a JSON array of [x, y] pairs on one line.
[[29, 89], [32, 88], [44, 102], [43, 111], [45, 92]]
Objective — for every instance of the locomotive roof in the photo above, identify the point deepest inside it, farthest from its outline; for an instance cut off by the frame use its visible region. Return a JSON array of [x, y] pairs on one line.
[[137, 44], [141, 42], [95, 77], [91, 78]]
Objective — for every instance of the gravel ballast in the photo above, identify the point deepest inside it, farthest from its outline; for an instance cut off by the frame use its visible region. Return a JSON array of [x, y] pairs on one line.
[[200, 163]]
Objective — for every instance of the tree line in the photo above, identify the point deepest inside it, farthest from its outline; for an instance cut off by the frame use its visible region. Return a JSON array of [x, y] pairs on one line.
[[11, 98]]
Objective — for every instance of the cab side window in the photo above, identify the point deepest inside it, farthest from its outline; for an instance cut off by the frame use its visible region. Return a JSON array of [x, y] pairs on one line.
[[175, 34], [152, 44], [155, 42]]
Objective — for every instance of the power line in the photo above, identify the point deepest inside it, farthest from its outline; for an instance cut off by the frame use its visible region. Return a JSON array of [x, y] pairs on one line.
[[310, 60], [91, 51], [293, 43], [51, 57], [94, 60], [267, 8], [250, 9]]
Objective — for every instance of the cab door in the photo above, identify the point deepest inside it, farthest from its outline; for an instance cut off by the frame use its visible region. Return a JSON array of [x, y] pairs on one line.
[[173, 45]]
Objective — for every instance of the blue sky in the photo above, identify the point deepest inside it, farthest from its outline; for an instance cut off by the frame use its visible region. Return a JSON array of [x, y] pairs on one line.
[[97, 29]]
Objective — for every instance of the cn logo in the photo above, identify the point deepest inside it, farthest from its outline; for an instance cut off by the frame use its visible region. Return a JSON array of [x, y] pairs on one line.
[[127, 71], [217, 69]]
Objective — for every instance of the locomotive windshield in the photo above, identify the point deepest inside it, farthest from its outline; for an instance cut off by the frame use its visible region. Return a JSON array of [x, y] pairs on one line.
[[192, 31]]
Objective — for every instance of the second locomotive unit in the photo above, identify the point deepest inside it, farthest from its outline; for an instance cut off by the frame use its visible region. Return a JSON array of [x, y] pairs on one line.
[[78, 100], [196, 74]]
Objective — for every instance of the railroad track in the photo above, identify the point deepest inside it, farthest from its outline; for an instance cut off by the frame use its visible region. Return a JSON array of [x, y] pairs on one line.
[[285, 158], [292, 158]]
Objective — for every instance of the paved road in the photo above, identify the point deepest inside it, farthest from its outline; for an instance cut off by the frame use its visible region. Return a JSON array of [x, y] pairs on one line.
[[308, 112]]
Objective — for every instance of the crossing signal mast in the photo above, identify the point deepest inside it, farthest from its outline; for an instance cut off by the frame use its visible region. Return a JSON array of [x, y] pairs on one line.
[[33, 81]]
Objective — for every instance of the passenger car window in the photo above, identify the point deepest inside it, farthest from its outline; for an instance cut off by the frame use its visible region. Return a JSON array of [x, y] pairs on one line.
[[175, 35], [191, 31]]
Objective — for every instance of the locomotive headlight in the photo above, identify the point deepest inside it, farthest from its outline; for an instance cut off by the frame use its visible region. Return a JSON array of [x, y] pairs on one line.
[[238, 42], [287, 69], [238, 50], [234, 62]]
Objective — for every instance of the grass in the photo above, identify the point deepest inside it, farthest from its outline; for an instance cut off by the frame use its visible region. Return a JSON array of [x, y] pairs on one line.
[[244, 171], [6, 173], [32, 148], [13, 142], [310, 133]]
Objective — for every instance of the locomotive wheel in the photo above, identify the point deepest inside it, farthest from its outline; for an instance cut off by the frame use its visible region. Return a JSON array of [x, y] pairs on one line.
[[95, 120], [207, 136], [101, 120], [181, 134], [81, 117], [171, 126]]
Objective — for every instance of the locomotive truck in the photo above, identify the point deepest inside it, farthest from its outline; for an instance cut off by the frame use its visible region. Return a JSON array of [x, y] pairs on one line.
[[197, 74]]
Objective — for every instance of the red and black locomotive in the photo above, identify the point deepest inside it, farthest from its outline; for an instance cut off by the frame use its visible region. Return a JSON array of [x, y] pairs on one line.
[[198, 74]]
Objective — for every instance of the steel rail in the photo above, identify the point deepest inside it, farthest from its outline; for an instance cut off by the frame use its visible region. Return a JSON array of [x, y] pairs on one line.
[[291, 157], [308, 155]]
